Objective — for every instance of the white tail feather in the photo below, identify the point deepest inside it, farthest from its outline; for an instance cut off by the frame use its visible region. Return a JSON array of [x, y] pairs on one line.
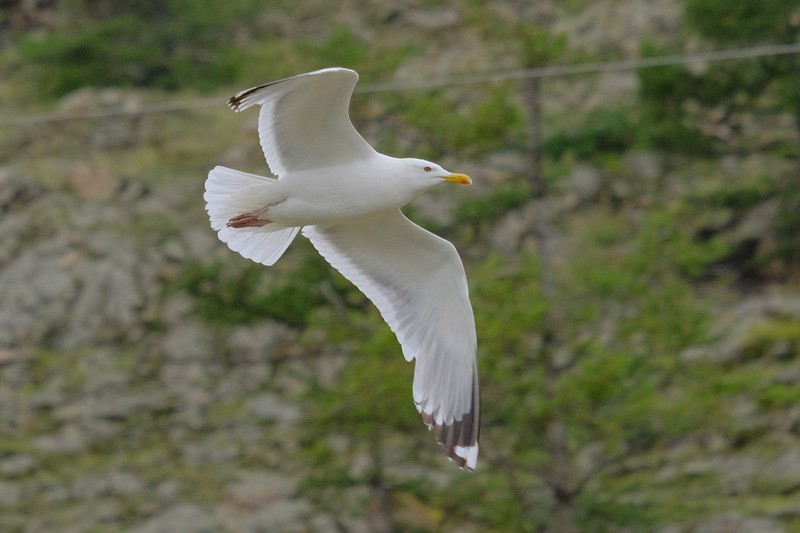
[[230, 193]]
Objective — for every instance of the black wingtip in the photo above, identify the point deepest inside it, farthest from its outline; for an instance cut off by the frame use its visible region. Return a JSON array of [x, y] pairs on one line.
[[235, 102], [459, 438]]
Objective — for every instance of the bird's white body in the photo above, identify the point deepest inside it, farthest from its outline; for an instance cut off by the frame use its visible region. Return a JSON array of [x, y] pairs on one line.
[[346, 198], [312, 197]]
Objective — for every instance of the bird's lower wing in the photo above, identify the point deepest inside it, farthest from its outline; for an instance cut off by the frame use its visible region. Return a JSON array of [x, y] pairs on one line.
[[417, 281]]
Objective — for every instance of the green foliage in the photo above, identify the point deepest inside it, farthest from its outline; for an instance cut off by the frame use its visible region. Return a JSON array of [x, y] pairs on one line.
[[729, 202], [343, 47], [499, 201], [663, 92], [603, 131], [741, 21], [539, 46], [227, 294], [728, 86], [373, 393], [472, 130], [509, 311], [600, 514], [165, 45], [664, 239], [779, 396], [764, 337], [370, 400], [618, 316], [738, 197], [670, 133], [787, 223]]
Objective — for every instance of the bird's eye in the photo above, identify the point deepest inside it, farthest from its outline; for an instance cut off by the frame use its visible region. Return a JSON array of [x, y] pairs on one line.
[[427, 169]]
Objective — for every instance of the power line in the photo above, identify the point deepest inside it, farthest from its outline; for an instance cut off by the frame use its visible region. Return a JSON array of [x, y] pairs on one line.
[[433, 83], [585, 68], [169, 106]]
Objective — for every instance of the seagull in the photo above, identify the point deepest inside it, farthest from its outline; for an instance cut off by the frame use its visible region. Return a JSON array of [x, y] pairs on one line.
[[345, 197]]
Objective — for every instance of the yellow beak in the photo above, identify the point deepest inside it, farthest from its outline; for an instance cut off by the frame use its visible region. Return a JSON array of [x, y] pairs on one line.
[[463, 179]]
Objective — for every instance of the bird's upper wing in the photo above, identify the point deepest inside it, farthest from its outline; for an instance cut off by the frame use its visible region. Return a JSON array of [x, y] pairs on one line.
[[417, 281], [304, 121]]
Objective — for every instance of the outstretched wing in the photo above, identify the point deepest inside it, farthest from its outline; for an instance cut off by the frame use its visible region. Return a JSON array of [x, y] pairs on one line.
[[304, 121], [417, 281]]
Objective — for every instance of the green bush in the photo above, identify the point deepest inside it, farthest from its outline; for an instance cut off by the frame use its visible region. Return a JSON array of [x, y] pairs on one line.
[[229, 295], [787, 223], [603, 131], [500, 200], [178, 45], [477, 128], [741, 21], [344, 48]]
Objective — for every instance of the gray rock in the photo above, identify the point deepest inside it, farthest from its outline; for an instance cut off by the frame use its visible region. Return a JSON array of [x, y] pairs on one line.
[[176, 308], [201, 241], [257, 489], [112, 405], [329, 367], [49, 493], [17, 464], [324, 523], [107, 134], [125, 483], [612, 28], [74, 292], [167, 490], [517, 229], [10, 494], [645, 166], [512, 228], [736, 474], [242, 379], [353, 524], [269, 407], [434, 18], [789, 375], [210, 452], [257, 342], [89, 487], [74, 518], [179, 518], [93, 183], [188, 370], [734, 326], [733, 522], [37, 293], [283, 515], [757, 223], [16, 191], [263, 501], [188, 341], [70, 439], [583, 183], [784, 471]]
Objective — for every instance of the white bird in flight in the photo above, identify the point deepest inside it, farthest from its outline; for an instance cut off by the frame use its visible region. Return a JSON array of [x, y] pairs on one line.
[[346, 198]]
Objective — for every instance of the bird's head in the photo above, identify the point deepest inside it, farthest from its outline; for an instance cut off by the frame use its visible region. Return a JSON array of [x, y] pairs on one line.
[[426, 174]]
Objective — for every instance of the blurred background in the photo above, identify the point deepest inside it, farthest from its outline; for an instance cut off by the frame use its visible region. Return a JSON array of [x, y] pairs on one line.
[[632, 244]]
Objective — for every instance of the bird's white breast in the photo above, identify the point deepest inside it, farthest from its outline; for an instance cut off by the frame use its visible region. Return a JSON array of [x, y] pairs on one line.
[[331, 195]]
